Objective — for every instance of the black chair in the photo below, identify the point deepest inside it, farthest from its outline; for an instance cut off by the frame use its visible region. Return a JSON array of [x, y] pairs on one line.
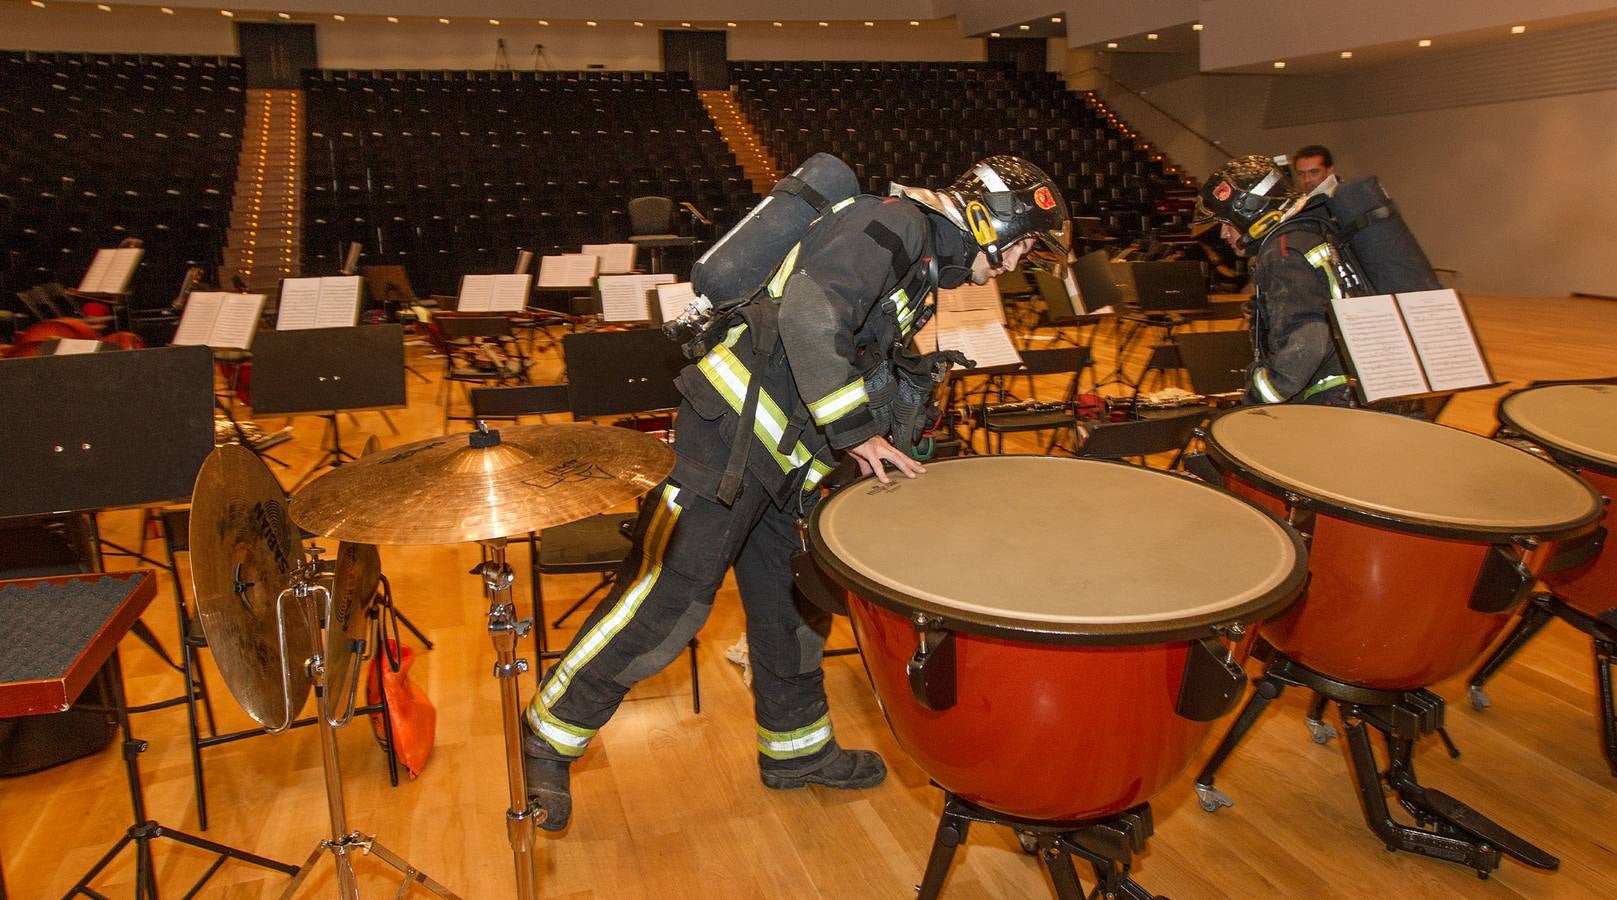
[[477, 350], [1140, 438], [1056, 417], [651, 227], [597, 544]]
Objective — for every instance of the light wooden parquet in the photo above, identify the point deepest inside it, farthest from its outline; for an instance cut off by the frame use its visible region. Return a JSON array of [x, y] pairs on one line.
[[668, 803]]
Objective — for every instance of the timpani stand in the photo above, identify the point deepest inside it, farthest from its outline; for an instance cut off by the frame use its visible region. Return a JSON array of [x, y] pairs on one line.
[[54, 634]]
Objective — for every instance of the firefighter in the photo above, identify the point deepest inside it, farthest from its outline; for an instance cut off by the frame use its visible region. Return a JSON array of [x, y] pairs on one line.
[[812, 368], [1296, 271]]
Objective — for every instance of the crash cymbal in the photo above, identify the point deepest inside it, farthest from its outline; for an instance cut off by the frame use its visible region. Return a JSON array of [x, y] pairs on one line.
[[483, 485], [243, 547], [354, 579]]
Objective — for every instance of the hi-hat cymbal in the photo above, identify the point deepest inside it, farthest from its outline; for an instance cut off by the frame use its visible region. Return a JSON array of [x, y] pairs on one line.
[[243, 547], [482, 486]]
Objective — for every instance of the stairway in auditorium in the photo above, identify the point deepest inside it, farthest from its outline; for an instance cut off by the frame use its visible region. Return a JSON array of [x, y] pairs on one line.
[[760, 168], [265, 242]]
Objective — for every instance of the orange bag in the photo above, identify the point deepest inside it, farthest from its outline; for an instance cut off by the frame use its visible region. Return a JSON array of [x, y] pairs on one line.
[[411, 713]]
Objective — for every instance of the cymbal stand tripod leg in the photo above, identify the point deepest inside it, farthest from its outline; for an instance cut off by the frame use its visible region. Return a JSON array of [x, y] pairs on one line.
[[342, 841], [506, 630]]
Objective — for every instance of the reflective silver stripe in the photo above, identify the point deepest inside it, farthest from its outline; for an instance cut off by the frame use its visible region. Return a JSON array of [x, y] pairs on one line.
[[834, 405], [790, 744], [840, 205], [1266, 390], [1320, 257], [990, 178], [1261, 189]]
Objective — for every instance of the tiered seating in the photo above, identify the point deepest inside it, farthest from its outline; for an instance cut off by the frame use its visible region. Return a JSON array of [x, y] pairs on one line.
[[448, 172], [102, 147], [923, 123]]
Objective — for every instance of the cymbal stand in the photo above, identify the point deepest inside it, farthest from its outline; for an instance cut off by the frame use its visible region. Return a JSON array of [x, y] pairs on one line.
[[507, 630], [315, 604]]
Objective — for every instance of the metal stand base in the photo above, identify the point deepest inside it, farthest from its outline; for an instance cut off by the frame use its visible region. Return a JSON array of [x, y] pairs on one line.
[[332, 456], [346, 884], [1602, 629], [1444, 827], [1108, 845]]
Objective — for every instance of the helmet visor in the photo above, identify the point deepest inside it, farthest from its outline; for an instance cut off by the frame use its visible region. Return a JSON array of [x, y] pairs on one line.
[[1052, 248]]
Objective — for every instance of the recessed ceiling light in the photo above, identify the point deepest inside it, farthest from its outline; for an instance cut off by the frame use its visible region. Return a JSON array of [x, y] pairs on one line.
[[1518, 29], [227, 13], [776, 24], [825, 24], [166, 10], [1024, 27], [870, 24], [443, 21], [1424, 42], [340, 18], [103, 7], [729, 24], [914, 22], [1152, 36], [393, 20], [1111, 45], [541, 21], [993, 34], [38, 3], [639, 24], [1055, 20], [1280, 64], [592, 23], [284, 15], [1196, 27], [1347, 54]]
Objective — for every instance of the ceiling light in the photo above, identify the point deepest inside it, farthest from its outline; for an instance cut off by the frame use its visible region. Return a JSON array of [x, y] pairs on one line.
[[284, 15], [1111, 45], [914, 22], [1152, 36], [993, 34], [1518, 29], [38, 3], [227, 13], [393, 20], [1424, 42], [825, 24], [166, 10], [494, 21], [776, 24], [1280, 64], [870, 24], [103, 7], [1055, 20], [592, 23], [1196, 27], [639, 24], [1024, 27], [443, 21], [340, 18], [541, 21], [1347, 54], [729, 24]]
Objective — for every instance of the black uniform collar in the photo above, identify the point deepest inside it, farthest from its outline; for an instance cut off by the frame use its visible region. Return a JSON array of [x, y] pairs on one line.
[[953, 250]]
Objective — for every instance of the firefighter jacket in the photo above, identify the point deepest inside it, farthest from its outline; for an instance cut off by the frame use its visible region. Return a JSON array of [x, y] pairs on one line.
[[848, 297], [1295, 359]]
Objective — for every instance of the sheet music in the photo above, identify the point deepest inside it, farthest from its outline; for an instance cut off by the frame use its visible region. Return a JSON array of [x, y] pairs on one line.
[[674, 299], [110, 270], [331, 302], [1448, 349], [568, 270], [510, 293], [969, 297], [70, 346], [977, 333], [1383, 356], [623, 298], [220, 320], [616, 259]]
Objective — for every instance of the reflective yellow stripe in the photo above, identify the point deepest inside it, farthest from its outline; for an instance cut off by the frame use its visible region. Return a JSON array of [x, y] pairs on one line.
[[1320, 258], [568, 740], [839, 402], [655, 544], [840, 205], [817, 471], [778, 283], [730, 378], [799, 742], [1323, 385], [906, 313], [1266, 390]]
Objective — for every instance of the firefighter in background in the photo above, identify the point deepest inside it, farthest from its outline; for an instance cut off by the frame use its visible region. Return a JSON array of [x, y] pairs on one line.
[[815, 365], [1296, 271]]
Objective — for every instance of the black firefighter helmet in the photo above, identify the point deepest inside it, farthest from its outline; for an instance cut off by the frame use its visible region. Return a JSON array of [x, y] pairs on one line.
[[1250, 193], [999, 201]]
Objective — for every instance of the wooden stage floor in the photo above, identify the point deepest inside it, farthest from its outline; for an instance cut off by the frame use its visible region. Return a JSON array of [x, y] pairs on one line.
[[668, 803]]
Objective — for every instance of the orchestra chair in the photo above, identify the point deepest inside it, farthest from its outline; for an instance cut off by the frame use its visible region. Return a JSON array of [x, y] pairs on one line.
[[651, 227], [597, 544], [1053, 361], [1144, 437], [461, 339]]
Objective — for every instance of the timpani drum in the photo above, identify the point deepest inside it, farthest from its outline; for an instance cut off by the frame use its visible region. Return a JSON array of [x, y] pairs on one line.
[[1424, 538], [1051, 638], [1576, 424]]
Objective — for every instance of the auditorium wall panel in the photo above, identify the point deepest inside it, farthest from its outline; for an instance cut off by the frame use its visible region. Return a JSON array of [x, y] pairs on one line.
[[1517, 195]]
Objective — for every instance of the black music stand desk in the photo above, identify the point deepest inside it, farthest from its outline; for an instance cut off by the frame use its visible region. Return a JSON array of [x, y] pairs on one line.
[[55, 633]]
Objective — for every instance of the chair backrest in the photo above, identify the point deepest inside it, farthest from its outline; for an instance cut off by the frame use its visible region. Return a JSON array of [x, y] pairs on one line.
[[472, 326], [651, 215], [1142, 437], [522, 400]]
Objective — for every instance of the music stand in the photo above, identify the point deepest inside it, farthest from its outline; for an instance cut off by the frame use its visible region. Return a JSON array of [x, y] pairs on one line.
[[326, 371], [55, 633], [617, 373], [1216, 360]]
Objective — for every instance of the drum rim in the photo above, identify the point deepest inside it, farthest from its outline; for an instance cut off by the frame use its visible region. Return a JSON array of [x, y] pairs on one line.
[[1560, 453], [1296, 497], [1249, 614]]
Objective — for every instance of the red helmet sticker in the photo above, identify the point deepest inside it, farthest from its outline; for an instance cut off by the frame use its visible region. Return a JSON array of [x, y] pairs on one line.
[[1223, 190], [1044, 198]]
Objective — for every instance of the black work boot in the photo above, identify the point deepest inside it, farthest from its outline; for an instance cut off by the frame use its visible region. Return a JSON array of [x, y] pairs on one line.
[[548, 781], [839, 768]]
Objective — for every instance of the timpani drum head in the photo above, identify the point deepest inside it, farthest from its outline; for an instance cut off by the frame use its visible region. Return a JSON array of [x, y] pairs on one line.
[[1405, 473], [1062, 550], [1576, 423]]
